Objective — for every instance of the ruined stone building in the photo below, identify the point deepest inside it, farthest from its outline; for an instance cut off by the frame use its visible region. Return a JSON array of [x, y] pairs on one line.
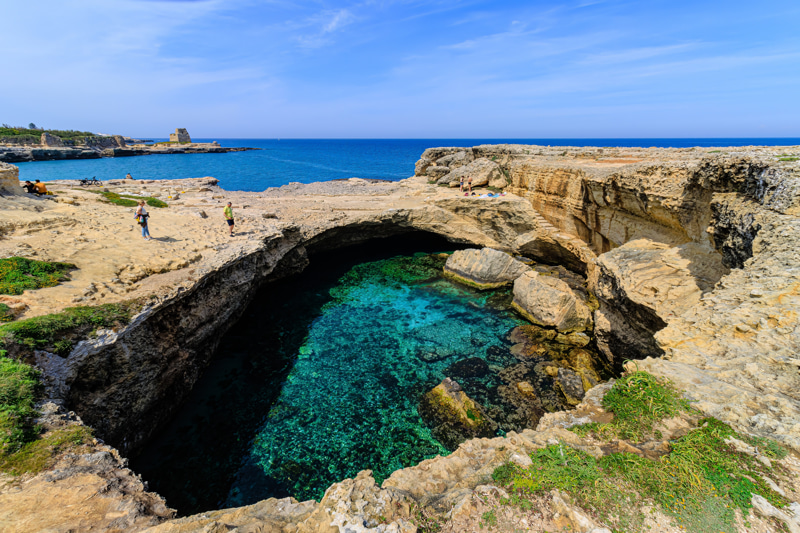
[[180, 136]]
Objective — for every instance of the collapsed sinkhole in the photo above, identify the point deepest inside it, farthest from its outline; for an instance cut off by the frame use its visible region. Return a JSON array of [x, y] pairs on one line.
[[320, 378]]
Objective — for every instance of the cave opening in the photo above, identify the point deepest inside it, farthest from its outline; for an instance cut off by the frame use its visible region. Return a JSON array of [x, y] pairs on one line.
[[323, 375], [196, 458]]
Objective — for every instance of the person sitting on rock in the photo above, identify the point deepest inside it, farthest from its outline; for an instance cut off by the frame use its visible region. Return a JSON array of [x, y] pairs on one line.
[[40, 188], [29, 187], [128, 176]]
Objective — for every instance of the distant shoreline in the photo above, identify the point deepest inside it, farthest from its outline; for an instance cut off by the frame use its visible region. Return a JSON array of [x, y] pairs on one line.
[[10, 153]]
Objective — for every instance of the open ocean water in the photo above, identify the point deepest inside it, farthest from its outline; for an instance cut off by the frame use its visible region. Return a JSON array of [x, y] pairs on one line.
[[282, 161]]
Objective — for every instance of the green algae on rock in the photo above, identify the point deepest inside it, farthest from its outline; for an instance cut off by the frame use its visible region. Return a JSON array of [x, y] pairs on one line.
[[454, 416]]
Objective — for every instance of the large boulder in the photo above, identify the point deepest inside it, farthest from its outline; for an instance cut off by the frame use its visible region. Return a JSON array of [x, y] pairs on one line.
[[9, 179], [453, 416], [483, 269], [570, 384], [454, 161], [436, 172], [641, 285], [482, 171], [548, 301], [431, 155]]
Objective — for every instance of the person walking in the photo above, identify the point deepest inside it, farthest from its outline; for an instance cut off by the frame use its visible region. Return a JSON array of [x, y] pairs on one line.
[[228, 211], [461, 184], [141, 217]]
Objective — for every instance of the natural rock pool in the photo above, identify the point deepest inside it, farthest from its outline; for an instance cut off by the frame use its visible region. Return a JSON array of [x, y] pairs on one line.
[[323, 375]]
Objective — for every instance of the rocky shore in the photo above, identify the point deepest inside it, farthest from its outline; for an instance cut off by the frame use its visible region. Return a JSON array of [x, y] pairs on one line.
[[113, 148], [690, 256]]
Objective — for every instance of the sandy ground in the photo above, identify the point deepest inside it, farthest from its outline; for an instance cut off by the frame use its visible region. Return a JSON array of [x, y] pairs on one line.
[[116, 263]]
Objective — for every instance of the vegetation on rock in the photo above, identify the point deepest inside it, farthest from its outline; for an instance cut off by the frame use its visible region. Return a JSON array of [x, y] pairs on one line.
[[699, 484], [129, 200], [39, 454], [19, 389], [6, 315], [21, 135], [21, 447], [58, 331], [18, 274]]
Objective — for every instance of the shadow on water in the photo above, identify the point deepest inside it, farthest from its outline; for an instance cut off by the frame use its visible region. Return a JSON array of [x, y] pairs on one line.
[[195, 460]]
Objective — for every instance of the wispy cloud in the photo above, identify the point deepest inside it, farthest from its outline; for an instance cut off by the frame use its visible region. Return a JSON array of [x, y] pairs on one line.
[[326, 23]]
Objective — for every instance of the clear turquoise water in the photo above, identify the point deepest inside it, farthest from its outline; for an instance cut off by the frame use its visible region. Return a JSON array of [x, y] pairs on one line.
[[350, 402], [321, 378], [305, 160]]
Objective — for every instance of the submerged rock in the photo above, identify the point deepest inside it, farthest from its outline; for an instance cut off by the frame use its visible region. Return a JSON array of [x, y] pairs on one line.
[[569, 383], [548, 301], [453, 416], [483, 269], [473, 367]]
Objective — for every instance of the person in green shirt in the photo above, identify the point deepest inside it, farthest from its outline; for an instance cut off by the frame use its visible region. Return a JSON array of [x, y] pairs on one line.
[[229, 217]]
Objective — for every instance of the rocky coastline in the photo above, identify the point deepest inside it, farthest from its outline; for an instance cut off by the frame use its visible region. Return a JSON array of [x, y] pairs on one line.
[[51, 148], [690, 254]]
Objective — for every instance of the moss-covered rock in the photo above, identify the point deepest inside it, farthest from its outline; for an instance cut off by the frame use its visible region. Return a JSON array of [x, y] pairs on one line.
[[453, 416]]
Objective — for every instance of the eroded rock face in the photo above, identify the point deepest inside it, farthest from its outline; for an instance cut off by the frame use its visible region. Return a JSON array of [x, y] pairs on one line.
[[482, 171], [640, 286], [484, 269], [88, 489], [453, 416], [548, 301], [9, 179]]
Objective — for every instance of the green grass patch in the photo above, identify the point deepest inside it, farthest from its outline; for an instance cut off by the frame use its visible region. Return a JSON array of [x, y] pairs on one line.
[[128, 200], [39, 454], [20, 388], [5, 313], [699, 484], [789, 159], [58, 332], [18, 274], [638, 401]]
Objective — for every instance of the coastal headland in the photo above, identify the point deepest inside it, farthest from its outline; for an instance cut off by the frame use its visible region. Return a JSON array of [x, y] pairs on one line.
[[691, 255], [53, 148]]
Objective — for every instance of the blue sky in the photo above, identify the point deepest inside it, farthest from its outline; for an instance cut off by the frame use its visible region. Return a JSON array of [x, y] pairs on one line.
[[405, 68]]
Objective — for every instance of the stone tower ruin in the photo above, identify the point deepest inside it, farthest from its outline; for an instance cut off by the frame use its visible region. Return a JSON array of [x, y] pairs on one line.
[[180, 136]]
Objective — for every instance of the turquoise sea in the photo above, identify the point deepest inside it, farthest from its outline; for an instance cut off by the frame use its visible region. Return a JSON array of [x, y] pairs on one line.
[[281, 161]]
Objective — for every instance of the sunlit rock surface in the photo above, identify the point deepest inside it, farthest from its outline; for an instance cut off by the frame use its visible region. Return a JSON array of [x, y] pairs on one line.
[[484, 269], [676, 215]]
